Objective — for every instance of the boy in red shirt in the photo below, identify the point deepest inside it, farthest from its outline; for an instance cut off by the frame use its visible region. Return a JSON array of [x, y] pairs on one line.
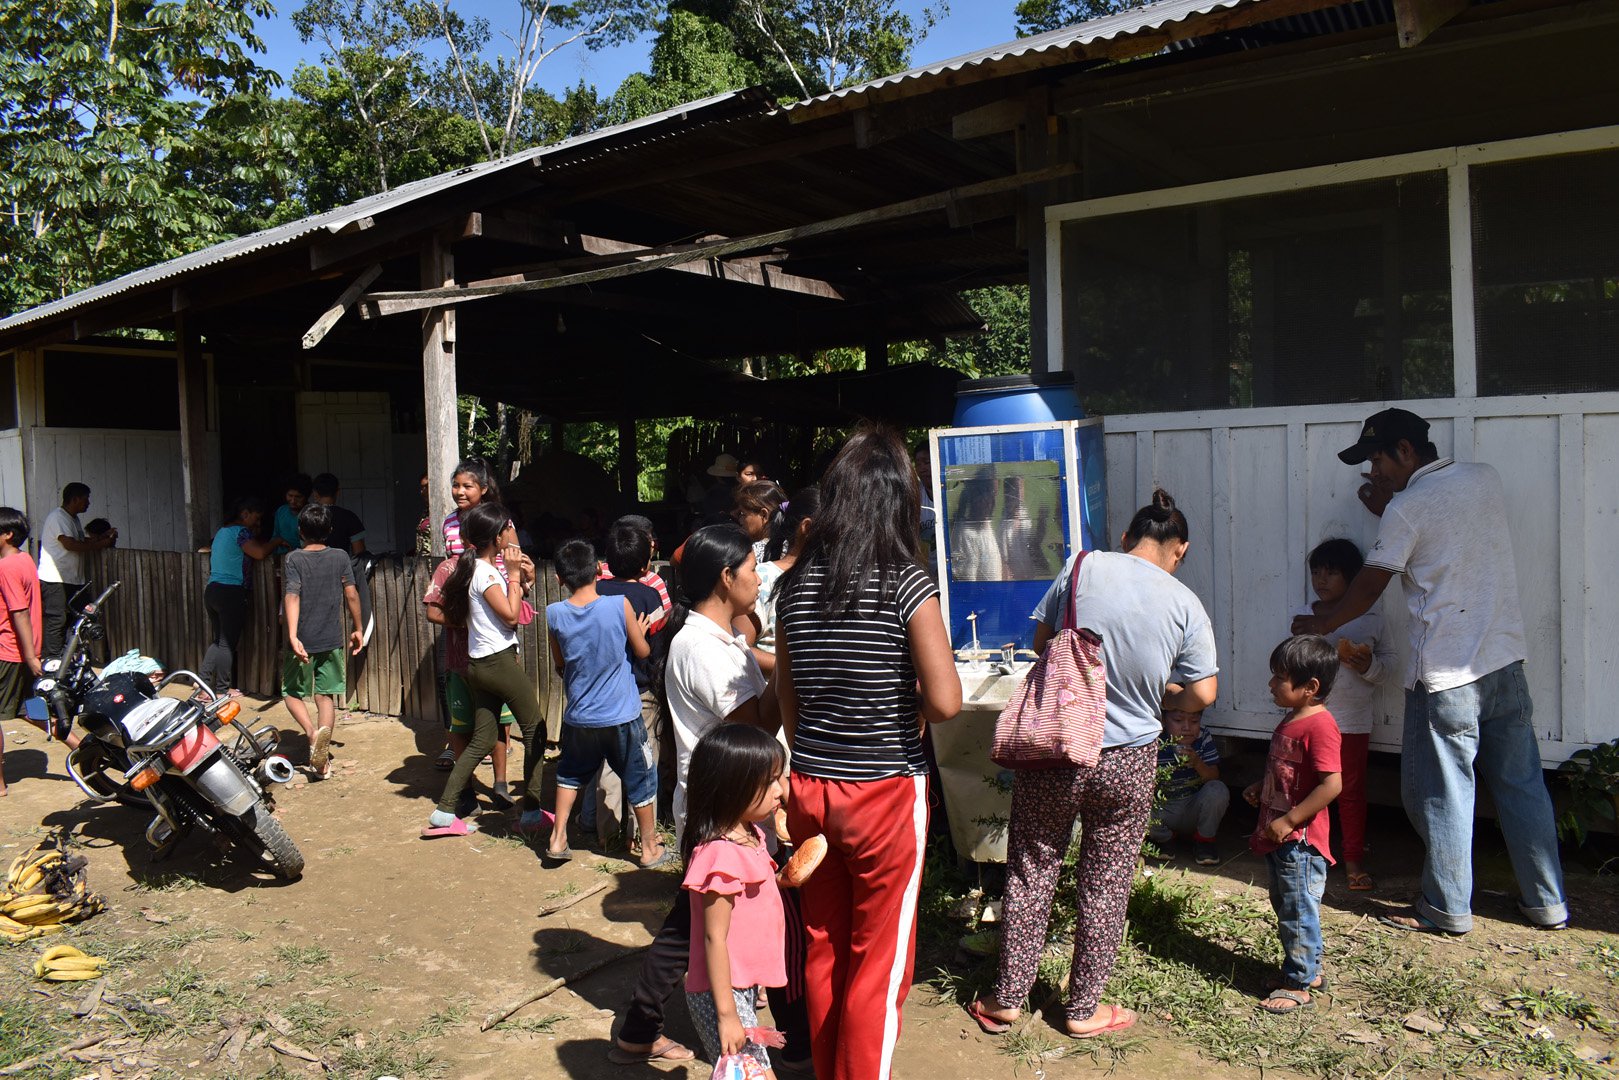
[[1302, 777], [21, 623]]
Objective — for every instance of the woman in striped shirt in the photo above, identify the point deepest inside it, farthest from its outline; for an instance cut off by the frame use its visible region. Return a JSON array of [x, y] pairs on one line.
[[862, 662]]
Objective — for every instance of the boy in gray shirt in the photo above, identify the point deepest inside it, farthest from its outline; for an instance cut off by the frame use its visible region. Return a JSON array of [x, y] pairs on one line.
[[318, 581]]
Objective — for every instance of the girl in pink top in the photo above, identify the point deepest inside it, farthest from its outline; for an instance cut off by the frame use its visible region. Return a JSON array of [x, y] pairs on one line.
[[737, 778], [471, 484]]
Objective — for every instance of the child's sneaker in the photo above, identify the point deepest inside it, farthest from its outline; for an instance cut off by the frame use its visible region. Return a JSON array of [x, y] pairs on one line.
[[1206, 853]]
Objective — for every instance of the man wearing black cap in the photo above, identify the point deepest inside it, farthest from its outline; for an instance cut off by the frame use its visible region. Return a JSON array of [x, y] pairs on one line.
[[1467, 708]]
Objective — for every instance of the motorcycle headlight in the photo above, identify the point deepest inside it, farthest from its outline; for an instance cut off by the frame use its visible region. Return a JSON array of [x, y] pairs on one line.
[[45, 686], [53, 665]]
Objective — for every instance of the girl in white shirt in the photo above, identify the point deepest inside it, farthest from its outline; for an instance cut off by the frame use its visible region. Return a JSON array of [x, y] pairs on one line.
[[488, 601]]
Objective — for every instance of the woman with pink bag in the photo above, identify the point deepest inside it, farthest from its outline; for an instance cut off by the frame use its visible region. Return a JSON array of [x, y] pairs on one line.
[[1158, 648]]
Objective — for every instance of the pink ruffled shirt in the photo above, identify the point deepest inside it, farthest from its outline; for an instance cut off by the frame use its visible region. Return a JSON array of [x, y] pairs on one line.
[[758, 928]]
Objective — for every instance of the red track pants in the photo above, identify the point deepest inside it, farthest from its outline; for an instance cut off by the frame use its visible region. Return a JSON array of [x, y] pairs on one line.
[[860, 912]]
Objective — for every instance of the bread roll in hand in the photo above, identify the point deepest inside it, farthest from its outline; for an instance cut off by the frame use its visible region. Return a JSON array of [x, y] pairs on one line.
[[803, 863]]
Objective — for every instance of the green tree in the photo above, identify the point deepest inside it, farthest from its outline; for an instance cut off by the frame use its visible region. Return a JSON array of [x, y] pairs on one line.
[[96, 101], [1039, 16], [692, 57], [807, 47]]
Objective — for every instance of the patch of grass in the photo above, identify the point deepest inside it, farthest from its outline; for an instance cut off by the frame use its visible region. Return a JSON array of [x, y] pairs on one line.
[[439, 1022], [302, 955], [243, 935], [541, 1025], [557, 894], [176, 940], [167, 883], [26, 1028], [1604, 958], [613, 866], [567, 944], [1555, 1001], [394, 1056]]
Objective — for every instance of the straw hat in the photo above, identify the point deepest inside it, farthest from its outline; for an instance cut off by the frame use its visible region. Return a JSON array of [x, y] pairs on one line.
[[725, 465]]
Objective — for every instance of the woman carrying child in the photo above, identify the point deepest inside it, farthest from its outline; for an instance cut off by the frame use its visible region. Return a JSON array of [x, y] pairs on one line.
[[488, 602], [738, 779], [1365, 657]]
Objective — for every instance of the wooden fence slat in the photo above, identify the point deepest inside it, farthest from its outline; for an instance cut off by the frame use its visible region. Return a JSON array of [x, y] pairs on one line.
[[160, 609]]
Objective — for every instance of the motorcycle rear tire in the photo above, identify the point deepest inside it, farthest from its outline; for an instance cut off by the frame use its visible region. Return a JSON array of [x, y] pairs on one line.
[[263, 835]]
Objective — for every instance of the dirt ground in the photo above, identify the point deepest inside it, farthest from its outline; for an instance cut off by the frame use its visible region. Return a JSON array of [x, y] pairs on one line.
[[385, 956]]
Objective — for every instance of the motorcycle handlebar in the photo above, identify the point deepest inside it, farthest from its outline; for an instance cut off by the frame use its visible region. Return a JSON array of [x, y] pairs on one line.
[[87, 612]]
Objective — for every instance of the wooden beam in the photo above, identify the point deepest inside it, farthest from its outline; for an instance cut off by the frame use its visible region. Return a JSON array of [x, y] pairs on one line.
[[329, 318], [438, 389], [1416, 19], [393, 303], [193, 379], [605, 252], [991, 119]]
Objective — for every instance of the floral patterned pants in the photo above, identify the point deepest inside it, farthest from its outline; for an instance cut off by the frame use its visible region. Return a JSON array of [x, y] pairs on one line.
[[1112, 802]]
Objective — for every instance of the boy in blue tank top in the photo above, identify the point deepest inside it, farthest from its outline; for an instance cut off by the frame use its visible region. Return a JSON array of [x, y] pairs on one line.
[[592, 638]]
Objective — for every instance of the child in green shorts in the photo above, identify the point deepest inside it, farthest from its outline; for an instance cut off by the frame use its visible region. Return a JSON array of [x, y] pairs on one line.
[[318, 581]]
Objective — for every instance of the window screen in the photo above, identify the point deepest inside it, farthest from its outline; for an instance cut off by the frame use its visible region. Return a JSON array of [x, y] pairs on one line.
[[1546, 274], [8, 391], [1333, 294], [106, 390]]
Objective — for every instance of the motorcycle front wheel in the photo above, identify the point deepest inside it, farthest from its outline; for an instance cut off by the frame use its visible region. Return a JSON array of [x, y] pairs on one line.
[[263, 835]]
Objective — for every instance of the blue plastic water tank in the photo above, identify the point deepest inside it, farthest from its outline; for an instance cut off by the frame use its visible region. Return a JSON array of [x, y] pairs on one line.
[[1017, 399]]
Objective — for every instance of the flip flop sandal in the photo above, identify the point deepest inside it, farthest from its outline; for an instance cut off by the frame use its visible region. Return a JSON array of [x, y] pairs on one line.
[[1418, 924], [1113, 1024], [1317, 987], [987, 1023], [662, 860], [445, 760], [540, 827], [558, 856], [1361, 882], [457, 827], [1299, 1002], [665, 1049]]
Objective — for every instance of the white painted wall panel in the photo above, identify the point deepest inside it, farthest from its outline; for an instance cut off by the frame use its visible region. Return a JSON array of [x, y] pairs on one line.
[[134, 479], [1598, 520], [350, 434], [12, 491]]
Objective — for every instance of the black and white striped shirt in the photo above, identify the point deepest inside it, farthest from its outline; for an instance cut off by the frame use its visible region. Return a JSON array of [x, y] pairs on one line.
[[855, 683]]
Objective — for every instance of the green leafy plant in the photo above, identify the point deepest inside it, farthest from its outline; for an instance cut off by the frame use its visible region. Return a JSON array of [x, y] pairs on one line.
[[1592, 777]]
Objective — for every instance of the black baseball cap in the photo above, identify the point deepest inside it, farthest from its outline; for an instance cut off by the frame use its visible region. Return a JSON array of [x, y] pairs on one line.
[[1383, 430]]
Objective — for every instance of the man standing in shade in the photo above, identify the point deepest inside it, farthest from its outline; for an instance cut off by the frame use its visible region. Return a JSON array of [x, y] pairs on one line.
[[63, 546], [1467, 708]]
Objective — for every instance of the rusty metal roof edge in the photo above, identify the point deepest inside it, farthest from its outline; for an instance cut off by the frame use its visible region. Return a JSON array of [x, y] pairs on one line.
[[1134, 21], [751, 99]]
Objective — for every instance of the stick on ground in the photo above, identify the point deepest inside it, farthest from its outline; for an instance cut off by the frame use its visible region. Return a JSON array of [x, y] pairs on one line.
[[560, 905], [556, 984], [38, 1059]]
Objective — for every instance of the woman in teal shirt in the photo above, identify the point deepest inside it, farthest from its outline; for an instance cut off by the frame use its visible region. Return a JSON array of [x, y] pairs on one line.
[[229, 578]]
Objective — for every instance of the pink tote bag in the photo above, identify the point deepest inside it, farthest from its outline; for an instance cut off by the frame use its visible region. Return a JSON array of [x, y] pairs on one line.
[[1055, 721]]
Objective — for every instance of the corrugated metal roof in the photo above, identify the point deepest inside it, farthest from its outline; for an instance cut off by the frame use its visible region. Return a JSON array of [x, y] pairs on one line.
[[1136, 21], [336, 220]]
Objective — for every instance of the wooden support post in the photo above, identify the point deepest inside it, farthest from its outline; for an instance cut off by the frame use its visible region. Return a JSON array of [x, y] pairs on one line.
[[876, 354], [438, 388], [194, 468], [629, 465]]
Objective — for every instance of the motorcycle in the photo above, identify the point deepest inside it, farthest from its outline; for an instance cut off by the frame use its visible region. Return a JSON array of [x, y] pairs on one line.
[[166, 753]]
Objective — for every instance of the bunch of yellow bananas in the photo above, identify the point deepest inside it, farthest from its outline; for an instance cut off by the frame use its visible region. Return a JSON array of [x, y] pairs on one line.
[[64, 963], [44, 889]]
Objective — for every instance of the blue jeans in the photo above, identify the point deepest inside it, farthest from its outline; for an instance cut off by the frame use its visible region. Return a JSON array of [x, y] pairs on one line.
[[1482, 727], [1298, 878], [623, 747]]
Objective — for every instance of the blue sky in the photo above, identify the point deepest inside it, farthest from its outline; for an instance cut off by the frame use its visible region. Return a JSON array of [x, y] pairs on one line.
[[971, 24]]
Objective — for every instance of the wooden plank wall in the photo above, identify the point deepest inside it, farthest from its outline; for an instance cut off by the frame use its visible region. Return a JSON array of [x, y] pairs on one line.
[[159, 609]]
